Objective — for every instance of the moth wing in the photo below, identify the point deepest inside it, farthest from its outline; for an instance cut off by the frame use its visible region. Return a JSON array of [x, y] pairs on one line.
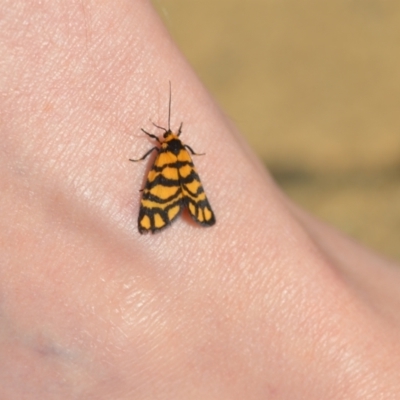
[[194, 197], [162, 195]]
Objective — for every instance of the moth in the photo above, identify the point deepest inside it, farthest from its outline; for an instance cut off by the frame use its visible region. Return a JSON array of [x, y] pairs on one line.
[[172, 184]]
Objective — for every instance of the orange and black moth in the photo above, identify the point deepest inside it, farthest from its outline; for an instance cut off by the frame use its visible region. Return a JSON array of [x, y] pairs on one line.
[[172, 184]]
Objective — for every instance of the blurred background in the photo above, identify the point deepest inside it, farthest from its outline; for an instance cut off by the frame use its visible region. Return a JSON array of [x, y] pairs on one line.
[[315, 88]]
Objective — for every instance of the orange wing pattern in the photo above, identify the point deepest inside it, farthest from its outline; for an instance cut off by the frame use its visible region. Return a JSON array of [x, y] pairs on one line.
[[172, 184]]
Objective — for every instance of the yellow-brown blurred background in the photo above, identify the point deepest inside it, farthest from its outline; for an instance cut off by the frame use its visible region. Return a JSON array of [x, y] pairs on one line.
[[315, 87]]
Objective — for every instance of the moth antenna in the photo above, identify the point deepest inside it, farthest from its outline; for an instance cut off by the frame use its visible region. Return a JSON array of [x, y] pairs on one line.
[[169, 107]]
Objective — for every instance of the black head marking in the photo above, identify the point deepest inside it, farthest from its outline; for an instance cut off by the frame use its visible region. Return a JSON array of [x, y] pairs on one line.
[[167, 133]]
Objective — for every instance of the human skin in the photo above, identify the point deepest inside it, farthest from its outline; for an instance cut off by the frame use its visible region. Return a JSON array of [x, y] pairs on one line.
[[267, 304]]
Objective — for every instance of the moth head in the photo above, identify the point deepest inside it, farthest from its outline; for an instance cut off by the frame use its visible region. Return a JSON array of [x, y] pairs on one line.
[[167, 134]]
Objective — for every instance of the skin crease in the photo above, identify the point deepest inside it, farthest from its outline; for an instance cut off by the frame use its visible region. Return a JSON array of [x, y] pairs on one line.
[[267, 304]]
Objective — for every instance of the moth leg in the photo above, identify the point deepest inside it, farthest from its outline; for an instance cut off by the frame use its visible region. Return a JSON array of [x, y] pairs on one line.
[[179, 130], [151, 135], [159, 127], [142, 158], [193, 152]]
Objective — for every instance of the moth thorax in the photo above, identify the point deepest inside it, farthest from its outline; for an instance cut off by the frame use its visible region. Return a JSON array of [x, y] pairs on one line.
[[174, 145]]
